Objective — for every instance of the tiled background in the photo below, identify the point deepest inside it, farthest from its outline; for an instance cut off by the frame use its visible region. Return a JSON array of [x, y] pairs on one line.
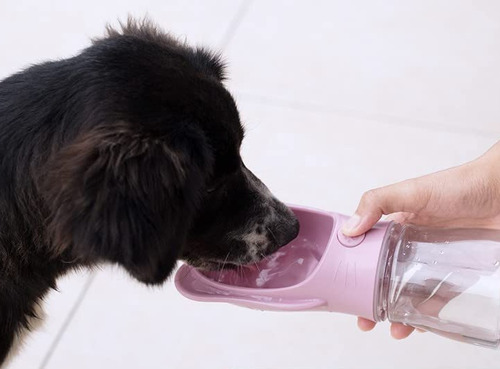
[[337, 97]]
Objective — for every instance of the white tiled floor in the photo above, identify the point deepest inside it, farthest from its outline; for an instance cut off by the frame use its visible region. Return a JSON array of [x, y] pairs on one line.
[[428, 62], [42, 30], [58, 307], [338, 97]]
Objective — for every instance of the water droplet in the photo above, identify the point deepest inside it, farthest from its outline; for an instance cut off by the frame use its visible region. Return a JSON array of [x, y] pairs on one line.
[[441, 252], [447, 242], [404, 253], [418, 259], [407, 245], [434, 262], [496, 263]]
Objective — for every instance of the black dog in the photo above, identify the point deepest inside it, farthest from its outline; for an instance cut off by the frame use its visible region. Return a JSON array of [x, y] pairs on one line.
[[127, 153]]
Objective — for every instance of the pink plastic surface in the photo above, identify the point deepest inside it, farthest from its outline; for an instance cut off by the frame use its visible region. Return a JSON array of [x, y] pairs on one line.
[[286, 267], [313, 272]]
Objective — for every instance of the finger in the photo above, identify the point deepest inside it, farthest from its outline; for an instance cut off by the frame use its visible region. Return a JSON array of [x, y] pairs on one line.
[[409, 196], [365, 324], [400, 331]]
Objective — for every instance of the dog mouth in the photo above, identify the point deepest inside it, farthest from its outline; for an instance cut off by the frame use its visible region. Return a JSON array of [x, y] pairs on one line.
[[229, 262], [212, 265], [249, 252]]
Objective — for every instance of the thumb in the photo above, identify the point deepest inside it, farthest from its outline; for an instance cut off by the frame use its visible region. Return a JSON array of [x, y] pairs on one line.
[[400, 197]]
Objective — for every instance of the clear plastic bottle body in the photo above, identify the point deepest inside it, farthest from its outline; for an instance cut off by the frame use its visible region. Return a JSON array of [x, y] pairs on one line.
[[442, 280]]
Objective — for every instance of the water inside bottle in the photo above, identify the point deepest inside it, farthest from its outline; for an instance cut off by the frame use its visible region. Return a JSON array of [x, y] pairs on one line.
[[286, 267], [448, 282]]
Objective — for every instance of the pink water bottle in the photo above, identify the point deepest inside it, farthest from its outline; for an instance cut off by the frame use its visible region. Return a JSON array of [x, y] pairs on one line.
[[442, 280]]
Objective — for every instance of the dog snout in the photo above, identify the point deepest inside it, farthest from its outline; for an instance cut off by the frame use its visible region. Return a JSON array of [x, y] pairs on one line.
[[284, 230], [292, 232], [287, 233]]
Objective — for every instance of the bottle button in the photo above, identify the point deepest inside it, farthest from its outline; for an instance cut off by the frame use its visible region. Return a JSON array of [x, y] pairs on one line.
[[349, 241]]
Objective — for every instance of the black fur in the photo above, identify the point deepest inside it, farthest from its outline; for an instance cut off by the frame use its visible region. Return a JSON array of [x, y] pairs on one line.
[[127, 153]]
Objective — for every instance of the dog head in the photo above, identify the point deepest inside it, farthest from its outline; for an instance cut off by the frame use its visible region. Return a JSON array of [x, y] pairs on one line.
[[240, 222], [153, 172]]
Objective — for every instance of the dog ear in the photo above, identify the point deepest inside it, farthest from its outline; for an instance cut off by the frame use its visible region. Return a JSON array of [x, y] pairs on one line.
[[127, 197], [211, 62]]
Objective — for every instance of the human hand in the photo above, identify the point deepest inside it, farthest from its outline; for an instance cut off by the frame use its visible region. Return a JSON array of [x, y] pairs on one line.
[[464, 196]]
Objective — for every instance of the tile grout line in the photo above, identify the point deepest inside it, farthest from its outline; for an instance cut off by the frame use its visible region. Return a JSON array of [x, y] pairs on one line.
[[235, 22], [67, 321], [389, 119]]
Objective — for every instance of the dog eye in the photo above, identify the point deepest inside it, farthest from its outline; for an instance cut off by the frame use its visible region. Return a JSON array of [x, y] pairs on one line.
[[218, 184], [212, 189], [215, 187]]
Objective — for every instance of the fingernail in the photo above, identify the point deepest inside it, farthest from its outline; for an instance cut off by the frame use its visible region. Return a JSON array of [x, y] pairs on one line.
[[351, 224]]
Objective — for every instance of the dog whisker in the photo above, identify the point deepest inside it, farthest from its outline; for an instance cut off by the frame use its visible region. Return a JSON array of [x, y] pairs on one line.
[[257, 266], [264, 257], [223, 264], [272, 234]]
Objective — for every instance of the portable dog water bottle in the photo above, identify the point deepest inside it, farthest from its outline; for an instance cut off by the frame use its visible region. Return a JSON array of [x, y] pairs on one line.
[[442, 280]]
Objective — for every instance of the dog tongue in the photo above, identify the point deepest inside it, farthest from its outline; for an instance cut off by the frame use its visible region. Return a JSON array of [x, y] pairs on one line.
[[288, 266]]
